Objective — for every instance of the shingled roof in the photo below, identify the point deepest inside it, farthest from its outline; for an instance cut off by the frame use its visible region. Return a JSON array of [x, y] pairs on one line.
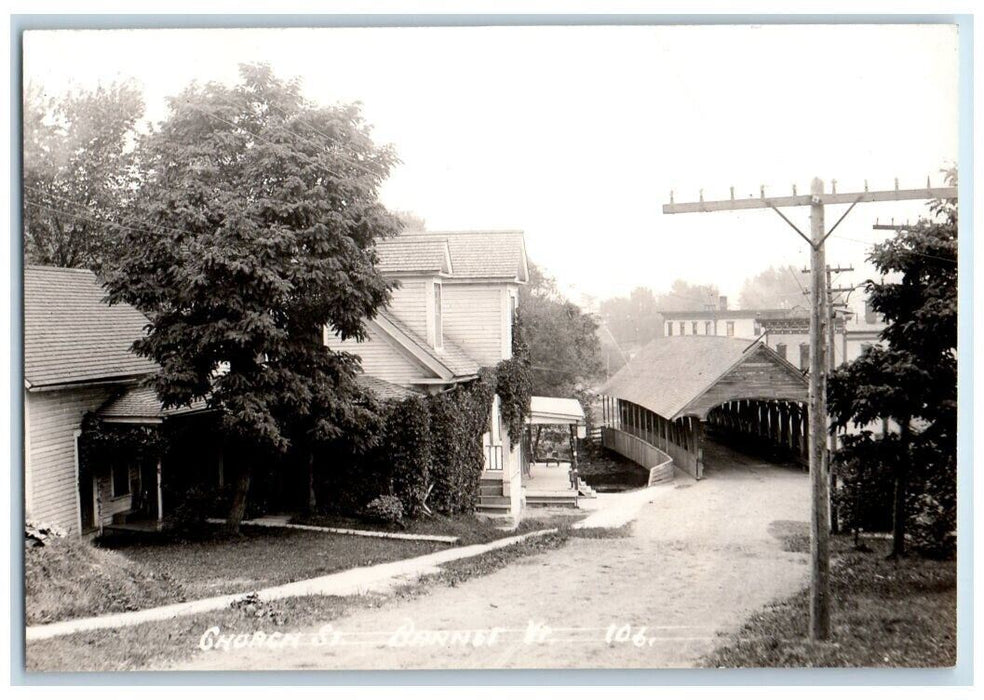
[[669, 375], [413, 253], [465, 254], [385, 390], [71, 336], [454, 361], [141, 403]]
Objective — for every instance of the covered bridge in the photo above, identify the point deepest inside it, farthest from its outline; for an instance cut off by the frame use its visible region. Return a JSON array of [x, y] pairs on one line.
[[674, 388]]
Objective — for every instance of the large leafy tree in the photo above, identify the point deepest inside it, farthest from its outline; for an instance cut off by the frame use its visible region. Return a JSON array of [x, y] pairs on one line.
[[562, 341], [559, 341], [254, 230], [912, 379], [78, 172]]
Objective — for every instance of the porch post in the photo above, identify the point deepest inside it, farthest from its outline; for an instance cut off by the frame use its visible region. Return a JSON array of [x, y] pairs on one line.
[[160, 494], [699, 441]]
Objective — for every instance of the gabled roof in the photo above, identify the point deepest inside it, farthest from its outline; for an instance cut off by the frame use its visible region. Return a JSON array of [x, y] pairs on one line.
[[497, 255], [71, 336], [670, 375], [414, 253], [451, 362]]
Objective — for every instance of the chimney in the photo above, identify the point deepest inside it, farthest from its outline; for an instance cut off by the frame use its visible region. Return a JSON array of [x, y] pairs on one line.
[[723, 302]]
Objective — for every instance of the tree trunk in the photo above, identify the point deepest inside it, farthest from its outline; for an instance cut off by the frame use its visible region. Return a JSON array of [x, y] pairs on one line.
[[238, 507], [901, 484]]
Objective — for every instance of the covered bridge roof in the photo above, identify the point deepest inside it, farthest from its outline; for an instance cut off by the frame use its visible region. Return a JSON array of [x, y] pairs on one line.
[[690, 375]]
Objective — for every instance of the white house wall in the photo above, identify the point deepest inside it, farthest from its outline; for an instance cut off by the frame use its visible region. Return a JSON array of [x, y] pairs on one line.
[[53, 419], [476, 319], [744, 327], [381, 358], [410, 301]]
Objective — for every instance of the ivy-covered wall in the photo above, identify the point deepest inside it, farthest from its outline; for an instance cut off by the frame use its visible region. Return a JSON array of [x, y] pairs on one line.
[[425, 443]]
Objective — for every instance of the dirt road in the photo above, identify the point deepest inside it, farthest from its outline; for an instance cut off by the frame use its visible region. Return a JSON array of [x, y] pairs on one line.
[[700, 558]]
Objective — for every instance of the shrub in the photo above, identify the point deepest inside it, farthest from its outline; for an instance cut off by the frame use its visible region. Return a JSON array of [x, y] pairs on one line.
[[385, 509], [865, 494], [186, 519], [459, 418], [933, 505], [405, 453]]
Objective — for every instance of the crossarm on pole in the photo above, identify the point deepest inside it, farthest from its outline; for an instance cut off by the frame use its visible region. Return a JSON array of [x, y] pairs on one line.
[[843, 216], [786, 219]]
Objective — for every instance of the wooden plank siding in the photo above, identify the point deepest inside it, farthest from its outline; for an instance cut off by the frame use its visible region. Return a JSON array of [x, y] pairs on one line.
[[409, 303], [476, 319], [759, 376], [54, 418], [108, 505], [382, 358], [640, 451]]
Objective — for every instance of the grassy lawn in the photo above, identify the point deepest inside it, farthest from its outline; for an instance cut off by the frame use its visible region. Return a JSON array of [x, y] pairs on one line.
[[70, 578], [469, 529], [884, 613], [155, 645], [261, 557], [607, 471]]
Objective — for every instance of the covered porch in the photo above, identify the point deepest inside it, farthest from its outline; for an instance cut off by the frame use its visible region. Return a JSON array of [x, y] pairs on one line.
[[128, 491], [550, 475]]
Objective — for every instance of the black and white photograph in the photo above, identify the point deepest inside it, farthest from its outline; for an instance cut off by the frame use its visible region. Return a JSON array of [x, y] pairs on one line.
[[490, 346]]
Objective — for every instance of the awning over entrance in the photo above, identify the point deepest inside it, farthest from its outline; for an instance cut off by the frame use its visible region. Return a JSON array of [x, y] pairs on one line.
[[139, 404], [549, 410]]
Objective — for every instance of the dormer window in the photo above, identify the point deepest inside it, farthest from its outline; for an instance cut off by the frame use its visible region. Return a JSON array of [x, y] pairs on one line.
[[438, 317]]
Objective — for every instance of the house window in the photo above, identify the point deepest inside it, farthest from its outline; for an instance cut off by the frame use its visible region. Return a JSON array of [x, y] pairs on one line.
[[804, 356], [669, 329], [707, 327], [731, 328], [120, 476], [693, 328], [438, 316], [781, 349], [683, 328]]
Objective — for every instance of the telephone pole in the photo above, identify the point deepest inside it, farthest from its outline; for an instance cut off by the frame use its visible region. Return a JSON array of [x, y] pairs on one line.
[[830, 339], [819, 318], [832, 312]]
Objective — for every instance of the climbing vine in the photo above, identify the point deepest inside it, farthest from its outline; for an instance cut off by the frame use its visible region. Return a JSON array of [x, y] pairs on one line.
[[103, 444], [514, 383]]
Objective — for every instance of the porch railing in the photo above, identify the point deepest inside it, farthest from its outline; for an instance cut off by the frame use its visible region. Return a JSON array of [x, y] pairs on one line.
[[493, 458]]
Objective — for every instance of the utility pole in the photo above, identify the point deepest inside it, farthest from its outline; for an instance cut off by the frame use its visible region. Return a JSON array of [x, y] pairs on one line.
[[832, 312], [819, 479], [830, 317], [819, 316]]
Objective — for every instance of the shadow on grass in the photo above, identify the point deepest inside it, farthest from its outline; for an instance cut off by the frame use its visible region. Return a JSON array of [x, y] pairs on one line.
[[884, 613]]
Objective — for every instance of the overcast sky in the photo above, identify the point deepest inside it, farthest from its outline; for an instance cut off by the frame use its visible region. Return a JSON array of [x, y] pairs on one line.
[[576, 135]]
